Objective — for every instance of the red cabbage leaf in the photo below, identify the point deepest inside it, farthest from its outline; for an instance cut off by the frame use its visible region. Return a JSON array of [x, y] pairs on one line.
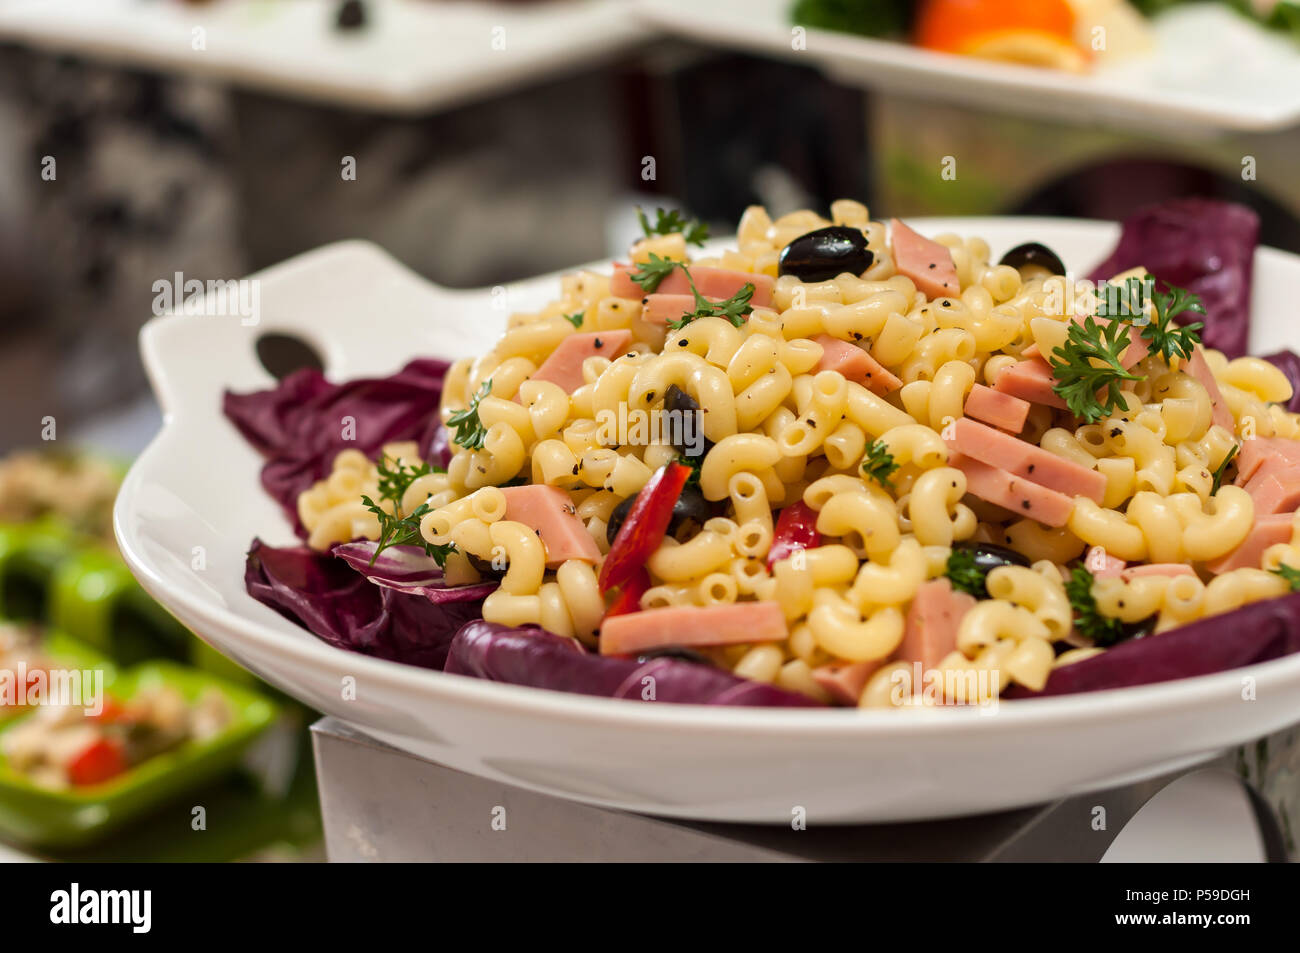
[[342, 607], [540, 659], [407, 569], [302, 423], [1258, 632], [1289, 363], [1204, 246]]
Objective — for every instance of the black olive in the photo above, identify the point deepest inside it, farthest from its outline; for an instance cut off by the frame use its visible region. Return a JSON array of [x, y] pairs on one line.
[[825, 253], [677, 399], [680, 402], [1035, 259], [351, 15], [989, 557], [616, 519], [690, 505], [1139, 629], [673, 652]]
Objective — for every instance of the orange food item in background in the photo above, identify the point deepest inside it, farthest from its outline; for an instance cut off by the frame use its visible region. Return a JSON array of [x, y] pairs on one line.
[[1034, 32]]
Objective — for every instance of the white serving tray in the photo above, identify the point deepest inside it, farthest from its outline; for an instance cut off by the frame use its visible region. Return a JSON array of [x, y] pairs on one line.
[[1210, 67], [197, 486], [414, 56]]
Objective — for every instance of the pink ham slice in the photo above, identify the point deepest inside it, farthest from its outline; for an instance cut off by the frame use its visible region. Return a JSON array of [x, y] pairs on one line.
[[1026, 499], [564, 366], [1024, 460], [926, 262], [1030, 380], [856, 365], [549, 511], [1255, 453], [1199, 369], [1275, 487], [996, 408], [1111, 567], [1267, 531], [663, 308], [932, 620], [728, 624], [715, 283], [1157, 569], [844, 681]]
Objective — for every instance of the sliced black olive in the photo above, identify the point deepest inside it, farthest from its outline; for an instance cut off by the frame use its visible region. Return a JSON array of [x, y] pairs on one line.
[[351, 15], [616, 519], [825, 253], [674, 652], [1139, 629], [1033, 260], [680, 402], [989, 557], [691, 505]]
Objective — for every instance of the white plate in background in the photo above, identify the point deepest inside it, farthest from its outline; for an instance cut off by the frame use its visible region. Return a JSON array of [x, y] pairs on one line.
[[413, 56], [1210, 67], [197, 486]]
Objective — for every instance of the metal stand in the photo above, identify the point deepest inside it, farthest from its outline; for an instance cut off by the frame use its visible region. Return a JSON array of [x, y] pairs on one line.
[[381, 804]]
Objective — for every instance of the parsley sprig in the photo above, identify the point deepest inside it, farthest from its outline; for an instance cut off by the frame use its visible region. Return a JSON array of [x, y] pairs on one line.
[[576, 318], [1222, 468], [733, 309], [467, 430], [1088, 365], [965, 575], [879, 464], [1291, 575], [1165, 336], [1103, 630], [668, 222], [396, 528], [649, 275]]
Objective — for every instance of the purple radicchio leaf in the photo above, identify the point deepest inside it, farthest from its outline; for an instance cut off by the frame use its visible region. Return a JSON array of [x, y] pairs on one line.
[[532, 656], [343, 607], [302, 423]]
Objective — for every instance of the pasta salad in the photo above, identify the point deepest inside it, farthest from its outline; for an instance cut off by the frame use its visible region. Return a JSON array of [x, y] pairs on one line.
[[841, 458]]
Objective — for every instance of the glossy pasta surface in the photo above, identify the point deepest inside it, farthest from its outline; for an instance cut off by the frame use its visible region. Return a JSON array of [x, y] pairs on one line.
[[915, 430]]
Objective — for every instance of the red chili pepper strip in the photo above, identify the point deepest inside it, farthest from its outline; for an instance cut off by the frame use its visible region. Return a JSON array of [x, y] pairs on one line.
[[796, 528], [629, 596], [102, 760], [645, 527]]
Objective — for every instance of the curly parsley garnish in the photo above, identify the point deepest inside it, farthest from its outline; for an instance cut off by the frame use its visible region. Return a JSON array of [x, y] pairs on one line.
[[1223, 467], [1163, 335], [1088, 365], [879, 464], [965, 575], [1292, 576], [1103, 630], [395, 528], [649, 275], [733, 309], [576, 318], [467, 430], [670, 222]]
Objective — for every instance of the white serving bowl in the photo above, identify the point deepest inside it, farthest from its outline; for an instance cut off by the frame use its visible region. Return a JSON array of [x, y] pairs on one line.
[[197, 485]]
